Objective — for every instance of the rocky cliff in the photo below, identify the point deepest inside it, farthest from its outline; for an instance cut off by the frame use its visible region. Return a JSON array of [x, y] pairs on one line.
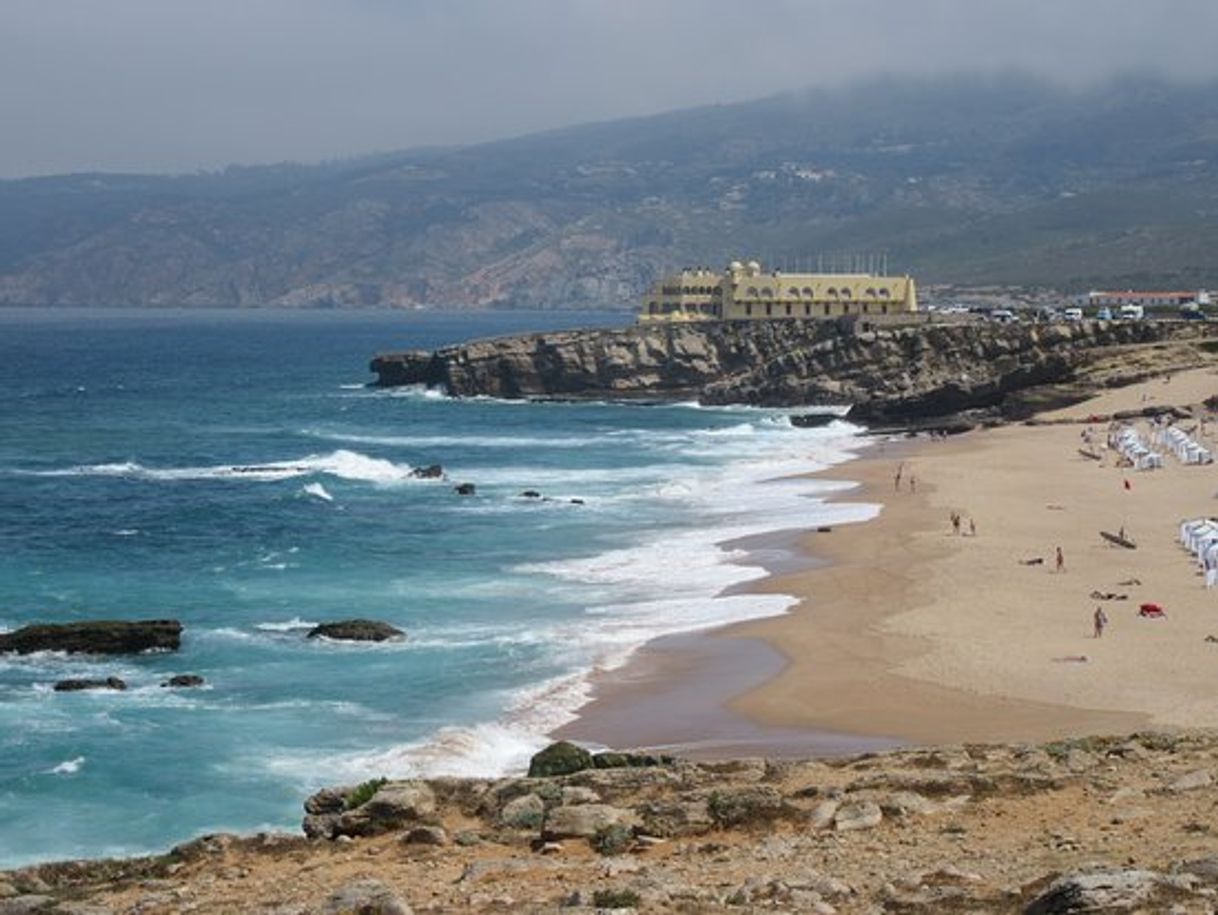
[[900, 372]]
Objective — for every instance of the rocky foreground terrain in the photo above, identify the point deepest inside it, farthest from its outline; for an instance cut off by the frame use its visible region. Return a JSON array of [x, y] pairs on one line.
[[1120, 824], [889, 373]]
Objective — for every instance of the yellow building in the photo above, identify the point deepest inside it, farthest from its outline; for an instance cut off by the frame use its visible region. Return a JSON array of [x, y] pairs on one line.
[[746, 292]]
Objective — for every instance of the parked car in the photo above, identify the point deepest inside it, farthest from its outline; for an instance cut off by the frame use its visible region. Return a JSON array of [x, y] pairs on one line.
[[1104, 314], [1073, 314], [1002, 315], [1132, 312]]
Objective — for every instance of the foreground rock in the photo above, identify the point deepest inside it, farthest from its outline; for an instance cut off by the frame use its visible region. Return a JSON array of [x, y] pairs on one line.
[[356, 631], [1006, 829], [893, 373], [96, 637]]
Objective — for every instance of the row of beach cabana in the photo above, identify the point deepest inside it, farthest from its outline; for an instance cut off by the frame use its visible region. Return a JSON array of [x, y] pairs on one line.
[[1200, 537], [1182, 445]]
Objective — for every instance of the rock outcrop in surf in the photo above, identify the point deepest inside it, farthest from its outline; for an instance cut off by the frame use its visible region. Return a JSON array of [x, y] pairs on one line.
[[888, 373], [356, 631], [95, 637]]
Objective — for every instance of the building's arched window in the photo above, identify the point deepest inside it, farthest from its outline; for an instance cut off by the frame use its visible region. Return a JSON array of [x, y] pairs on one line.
[[808, 291], [807, 310], [793, 292], [832, 293], [788, 311], [767, 292], [748, 311], [884, 309], [827, 306], [866, 308], [651, 308], [885, 294], [752, 291], [769, 310], [871, 292], [845, 292]]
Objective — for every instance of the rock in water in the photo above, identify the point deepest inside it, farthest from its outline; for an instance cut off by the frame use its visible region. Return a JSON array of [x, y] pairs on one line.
[[182, 681], [96, 637], [465, 489], [560, 758], [73, 686], [431, 472], [356, 631]]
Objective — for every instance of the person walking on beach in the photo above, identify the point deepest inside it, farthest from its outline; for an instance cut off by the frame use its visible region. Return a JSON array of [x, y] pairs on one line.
[[1059, 561], [956, 523], [972, 528], [896, 481], [1100, 619]]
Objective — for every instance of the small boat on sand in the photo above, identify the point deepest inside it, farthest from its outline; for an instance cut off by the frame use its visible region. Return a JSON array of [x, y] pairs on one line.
[[1090, 455], [1119, 540]]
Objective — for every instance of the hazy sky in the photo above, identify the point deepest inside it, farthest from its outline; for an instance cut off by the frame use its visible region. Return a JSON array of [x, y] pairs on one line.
[[175, 85]]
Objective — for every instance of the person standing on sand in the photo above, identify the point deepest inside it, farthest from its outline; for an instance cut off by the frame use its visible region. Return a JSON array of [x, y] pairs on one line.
[[913, 483], [896, 481], [956, 523], [1101, 620], [972, 528], [1059, 561]]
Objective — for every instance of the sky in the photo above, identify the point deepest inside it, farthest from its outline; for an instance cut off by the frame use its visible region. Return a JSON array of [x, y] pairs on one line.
[[182, 85]]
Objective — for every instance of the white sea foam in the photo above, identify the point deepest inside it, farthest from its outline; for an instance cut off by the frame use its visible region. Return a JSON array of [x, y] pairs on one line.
[[293, 625], [317, 491], [344, 464], [682, 579], [67, 767]]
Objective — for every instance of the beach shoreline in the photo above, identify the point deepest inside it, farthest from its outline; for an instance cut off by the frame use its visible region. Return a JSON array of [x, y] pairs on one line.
[[906, 632]]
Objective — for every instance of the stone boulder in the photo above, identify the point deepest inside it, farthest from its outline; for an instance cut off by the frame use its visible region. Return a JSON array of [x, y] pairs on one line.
[[857, 815], [365, 897], [748, 806], [393, 806], [585, 821], [74, 686], [95, 637], [183, 681], [1109, 891], [431, 472], [356, 631], [562, 758], [465, 489]]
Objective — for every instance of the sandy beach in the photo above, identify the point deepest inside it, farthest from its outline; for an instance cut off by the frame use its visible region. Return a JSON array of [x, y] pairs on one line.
[[909, 632]]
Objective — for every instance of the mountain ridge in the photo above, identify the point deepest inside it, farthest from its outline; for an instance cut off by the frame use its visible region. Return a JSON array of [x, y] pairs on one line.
[[962, 180]]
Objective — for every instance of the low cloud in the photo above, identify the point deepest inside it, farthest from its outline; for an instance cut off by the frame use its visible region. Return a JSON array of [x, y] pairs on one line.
[[175, 85]]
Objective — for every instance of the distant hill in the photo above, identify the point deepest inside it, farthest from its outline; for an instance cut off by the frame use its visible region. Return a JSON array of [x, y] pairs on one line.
[[961, 180]]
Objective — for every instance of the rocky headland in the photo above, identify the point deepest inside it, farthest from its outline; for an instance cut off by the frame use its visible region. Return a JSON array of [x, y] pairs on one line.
[[1100, 824], [893, 373]]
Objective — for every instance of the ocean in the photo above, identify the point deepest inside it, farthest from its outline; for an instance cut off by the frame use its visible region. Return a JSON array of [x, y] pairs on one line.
[[127, 440]]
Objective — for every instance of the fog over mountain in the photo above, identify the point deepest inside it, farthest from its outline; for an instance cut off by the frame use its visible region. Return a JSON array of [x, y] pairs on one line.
[[971, 179], [176, 85]]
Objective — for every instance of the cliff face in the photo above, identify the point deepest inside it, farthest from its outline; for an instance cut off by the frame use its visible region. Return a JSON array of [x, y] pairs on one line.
[[900, 372]]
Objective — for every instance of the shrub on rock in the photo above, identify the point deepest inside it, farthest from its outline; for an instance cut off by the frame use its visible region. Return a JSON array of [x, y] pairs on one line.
[[562, 758]]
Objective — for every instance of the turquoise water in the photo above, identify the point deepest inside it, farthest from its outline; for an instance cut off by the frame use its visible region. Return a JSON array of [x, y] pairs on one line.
[[120, 433]]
